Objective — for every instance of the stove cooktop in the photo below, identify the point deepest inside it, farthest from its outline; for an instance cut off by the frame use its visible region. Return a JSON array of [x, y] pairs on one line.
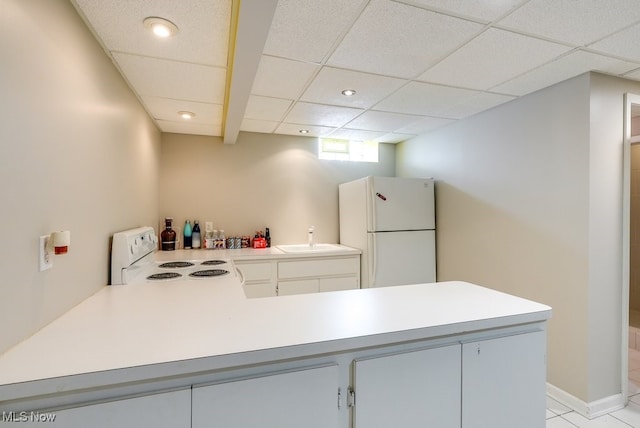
[[193, 269]]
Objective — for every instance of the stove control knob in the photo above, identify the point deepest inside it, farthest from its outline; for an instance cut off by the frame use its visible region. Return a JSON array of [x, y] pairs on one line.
[[136, 246]]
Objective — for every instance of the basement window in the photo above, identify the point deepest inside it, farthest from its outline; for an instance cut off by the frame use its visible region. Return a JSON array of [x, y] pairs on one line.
[[346, 150]]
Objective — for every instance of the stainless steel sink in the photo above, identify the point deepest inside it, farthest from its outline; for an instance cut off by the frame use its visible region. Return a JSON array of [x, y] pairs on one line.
[[306, 248]]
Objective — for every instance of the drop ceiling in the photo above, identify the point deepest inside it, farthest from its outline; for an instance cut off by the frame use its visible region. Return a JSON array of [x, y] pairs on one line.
[[279, 66]]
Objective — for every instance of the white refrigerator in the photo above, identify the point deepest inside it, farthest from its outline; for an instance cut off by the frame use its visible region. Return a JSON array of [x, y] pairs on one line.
[[392, 220]]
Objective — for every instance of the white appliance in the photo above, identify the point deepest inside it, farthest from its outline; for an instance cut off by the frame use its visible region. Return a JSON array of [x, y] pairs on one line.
[[136, 260], [392, 220]]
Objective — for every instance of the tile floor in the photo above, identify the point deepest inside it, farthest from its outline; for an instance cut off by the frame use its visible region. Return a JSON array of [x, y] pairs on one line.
[[559, 416]]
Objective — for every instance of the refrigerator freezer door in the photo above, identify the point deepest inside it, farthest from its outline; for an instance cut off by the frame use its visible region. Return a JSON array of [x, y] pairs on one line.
[[400, 258], [400, 204]]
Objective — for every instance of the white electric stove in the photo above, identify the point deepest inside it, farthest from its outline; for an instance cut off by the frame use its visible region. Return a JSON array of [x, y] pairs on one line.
[[135, 259]]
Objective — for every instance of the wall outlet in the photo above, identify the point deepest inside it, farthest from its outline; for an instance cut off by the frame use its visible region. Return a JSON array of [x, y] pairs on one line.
[[46, 256]]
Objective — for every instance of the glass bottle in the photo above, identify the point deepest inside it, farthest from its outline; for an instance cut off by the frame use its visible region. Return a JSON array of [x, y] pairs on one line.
[[267, 236], [195, 235], [168, 236], [187, 234]]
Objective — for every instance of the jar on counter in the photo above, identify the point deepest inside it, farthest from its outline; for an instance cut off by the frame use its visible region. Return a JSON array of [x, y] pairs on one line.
[[168, 235]]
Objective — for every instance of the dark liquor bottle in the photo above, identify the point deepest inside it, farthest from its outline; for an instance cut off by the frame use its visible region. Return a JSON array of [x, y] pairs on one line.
[[168, 236], [267, 236]]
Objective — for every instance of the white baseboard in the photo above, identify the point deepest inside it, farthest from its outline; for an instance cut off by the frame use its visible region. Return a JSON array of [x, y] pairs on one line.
[[588, 410]]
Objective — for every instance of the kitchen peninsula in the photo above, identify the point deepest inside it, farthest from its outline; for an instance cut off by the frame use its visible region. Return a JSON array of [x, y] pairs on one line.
[[191, 354]]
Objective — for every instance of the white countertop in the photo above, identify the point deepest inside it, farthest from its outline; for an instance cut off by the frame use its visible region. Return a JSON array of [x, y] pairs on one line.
[[251, 254], [181, 327]]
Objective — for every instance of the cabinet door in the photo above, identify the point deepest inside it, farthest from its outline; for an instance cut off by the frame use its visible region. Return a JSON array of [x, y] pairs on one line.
[[409, 390], [306, 398], [504, 382], [259, 289], [257, 271], [165, 410], [286, 288], [336, 284]]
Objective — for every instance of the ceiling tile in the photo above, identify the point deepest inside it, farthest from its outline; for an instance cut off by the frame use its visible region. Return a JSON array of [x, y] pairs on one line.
[[294, 129], [355, 134], [282, 78], [319, 114], [203, 25], [424, 99], [307, 29], [576, 22], [486, 10], [189, 128], [381, 121], [326, 88], [167, 109], [266, 108], [424, 125], [623, 44], [171, 79], [568, 66], [253, 125], [492, 58], [394, 39]]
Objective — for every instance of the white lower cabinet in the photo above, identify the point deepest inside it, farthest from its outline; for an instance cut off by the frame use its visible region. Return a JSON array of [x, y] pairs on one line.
[[268, 278], [412, 389], [504, 382], [162, 410], [306, 398], [317, 275], [491, 383]]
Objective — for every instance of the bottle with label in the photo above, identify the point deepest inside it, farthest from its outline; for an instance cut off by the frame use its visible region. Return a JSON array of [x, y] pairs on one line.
[[168, 236], [195, 235], [223, 239], [187, 234], [267, 236]]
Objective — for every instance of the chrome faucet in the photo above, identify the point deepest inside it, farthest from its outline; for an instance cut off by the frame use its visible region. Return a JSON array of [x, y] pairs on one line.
[[310, 236]]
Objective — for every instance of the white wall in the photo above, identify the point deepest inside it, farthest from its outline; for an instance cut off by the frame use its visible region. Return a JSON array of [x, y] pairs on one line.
[[263, 180], [529, 201], [78, 153]]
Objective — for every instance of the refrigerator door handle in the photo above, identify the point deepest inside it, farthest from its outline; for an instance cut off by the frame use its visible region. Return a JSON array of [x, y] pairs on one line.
[[372, 260]]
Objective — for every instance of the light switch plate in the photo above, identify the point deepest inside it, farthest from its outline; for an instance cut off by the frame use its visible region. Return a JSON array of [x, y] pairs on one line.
[[45, 256]]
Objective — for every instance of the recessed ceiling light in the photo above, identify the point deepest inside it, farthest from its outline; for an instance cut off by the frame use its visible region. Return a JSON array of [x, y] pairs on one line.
[[304, 131], [349, 92], [160, 27], [186, 115]]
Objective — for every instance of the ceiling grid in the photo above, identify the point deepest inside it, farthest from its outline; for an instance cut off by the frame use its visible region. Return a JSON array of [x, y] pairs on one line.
[[415, 65]]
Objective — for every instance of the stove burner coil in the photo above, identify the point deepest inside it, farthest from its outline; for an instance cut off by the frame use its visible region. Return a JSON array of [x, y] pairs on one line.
[[213, 262], [163, 275], [208, 273], [173, 265]]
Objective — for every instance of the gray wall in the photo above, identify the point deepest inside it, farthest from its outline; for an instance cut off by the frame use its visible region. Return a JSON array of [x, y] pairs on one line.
[[78, 153], [529, 202], [263, 180]]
